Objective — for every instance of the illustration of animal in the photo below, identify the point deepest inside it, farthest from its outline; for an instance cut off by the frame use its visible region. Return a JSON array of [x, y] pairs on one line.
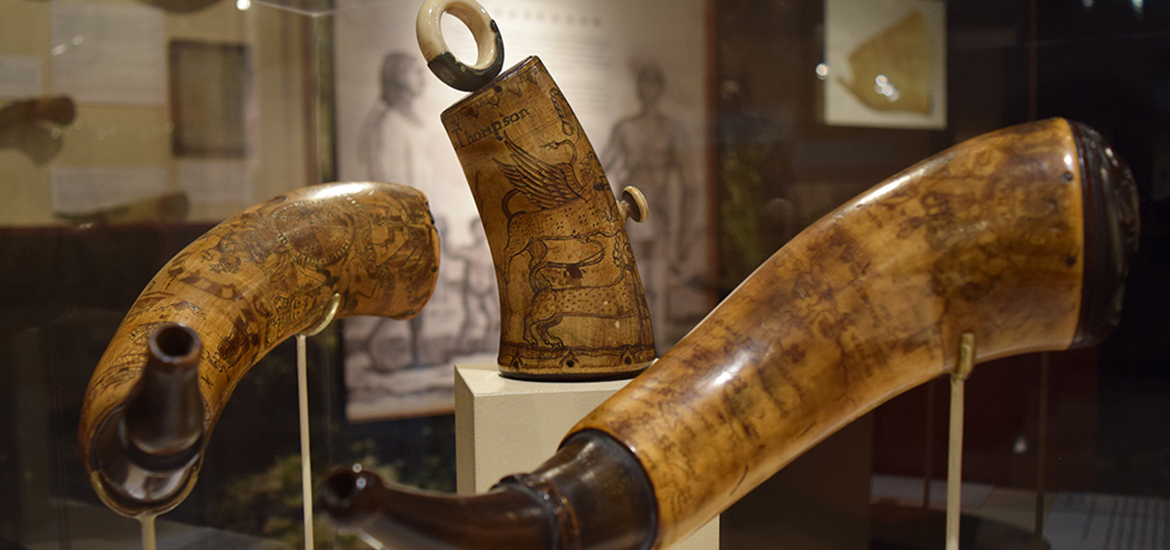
[[560, 205], [613, 299], [556, 210]]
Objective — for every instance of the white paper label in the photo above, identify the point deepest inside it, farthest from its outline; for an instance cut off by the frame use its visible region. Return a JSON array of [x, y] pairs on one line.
[[81, 190], [215, 181], [20, 76], [109, 54]]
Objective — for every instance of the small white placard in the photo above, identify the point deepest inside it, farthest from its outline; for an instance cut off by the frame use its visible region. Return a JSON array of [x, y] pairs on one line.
[[215, 181], [81, 190], [109, 54], [20, 76]]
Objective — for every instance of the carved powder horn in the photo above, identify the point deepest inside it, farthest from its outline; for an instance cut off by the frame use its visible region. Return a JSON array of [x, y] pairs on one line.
[[572, 305], [225, 301], [1021, 237]]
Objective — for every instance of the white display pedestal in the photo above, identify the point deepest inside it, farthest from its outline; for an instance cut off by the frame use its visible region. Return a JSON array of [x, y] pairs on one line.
[[505, 426]]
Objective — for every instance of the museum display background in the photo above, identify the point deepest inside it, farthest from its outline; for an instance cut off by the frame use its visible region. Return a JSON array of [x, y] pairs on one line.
[[763, 156]]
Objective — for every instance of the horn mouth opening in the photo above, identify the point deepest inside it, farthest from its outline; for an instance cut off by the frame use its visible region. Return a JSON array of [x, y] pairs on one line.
[[349, 495], [338, 490], [174, 344]]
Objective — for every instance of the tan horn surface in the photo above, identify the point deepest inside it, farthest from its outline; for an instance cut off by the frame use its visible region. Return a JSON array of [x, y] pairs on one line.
[[250, 283], [866, 303]]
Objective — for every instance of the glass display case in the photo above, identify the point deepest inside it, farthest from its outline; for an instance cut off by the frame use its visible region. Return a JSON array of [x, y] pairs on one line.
[[130, 128]]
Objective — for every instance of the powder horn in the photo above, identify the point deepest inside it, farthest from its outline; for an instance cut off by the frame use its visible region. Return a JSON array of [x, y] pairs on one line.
[[1021, 237], [58, 110], [22, 126], [572, 305], [225, 301]]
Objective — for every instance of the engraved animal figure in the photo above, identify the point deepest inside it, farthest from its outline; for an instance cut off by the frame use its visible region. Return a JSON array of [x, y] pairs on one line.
[[547, 208], [615, 300], [562, 262], [561, 205]]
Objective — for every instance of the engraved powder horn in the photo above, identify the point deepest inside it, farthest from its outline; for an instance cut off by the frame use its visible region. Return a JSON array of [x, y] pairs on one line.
[[572, 305], [226, 300], [1021, 237]]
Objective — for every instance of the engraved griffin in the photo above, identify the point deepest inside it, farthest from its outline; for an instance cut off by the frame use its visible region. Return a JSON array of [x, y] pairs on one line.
[[577, 264]]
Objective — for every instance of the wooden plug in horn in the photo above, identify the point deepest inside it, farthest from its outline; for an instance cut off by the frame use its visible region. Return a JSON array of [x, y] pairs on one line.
[[1021, 237], [226, 300]]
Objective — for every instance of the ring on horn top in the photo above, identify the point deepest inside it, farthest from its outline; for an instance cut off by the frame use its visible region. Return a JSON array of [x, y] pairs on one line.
[[439, 57]]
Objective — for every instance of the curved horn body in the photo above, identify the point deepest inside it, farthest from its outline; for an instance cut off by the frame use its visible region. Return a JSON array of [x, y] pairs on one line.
[[245, 286], [989, 237], [58, 110], [572, 305]]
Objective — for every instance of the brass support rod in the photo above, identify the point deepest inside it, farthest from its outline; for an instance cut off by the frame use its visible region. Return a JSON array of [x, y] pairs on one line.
[[955, 451], [303, 405]]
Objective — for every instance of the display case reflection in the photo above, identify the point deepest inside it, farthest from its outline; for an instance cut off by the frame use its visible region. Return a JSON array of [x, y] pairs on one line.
[[777, 164]]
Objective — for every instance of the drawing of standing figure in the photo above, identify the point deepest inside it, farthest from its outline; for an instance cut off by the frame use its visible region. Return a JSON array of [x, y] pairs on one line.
[[646, 150], [480, 298], [389, 147], [390, 150]]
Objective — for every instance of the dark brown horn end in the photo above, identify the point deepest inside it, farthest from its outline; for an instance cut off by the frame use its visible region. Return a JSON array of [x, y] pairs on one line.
[[146, 453], [350, 496], [591, 495], [1112, 231], [164, 414], [60, 110]]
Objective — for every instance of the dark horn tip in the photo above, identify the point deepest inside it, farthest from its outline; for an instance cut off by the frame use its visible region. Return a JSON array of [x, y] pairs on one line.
[[62, 110], [348, 495], [148, 451], [1112, 231], [164, 413]]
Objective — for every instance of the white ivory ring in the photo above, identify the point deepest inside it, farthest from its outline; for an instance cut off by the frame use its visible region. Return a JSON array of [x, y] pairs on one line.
[[490, 45]]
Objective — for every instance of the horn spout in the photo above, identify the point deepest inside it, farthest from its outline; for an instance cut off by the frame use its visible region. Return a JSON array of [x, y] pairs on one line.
[[145, 450], [358, 499], [591, 495], [164, 416], [999, 236]]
